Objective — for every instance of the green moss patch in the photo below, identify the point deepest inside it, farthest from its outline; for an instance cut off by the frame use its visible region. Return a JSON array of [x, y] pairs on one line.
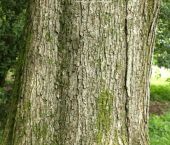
[[104, 114]]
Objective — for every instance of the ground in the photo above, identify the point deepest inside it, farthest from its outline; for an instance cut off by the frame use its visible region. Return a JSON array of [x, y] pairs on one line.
[[159, 108]]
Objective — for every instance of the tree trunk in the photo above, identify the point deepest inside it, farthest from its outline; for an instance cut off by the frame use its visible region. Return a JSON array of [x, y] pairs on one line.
[[32, 121], [85, 78]]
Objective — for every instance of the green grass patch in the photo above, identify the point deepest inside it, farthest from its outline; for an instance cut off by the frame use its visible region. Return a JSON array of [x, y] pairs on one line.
[[160, 89], [159, 129], [159, 126]]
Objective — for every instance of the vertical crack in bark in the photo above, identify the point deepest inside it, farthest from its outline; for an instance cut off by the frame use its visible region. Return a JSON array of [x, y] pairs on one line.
[[126, 72]]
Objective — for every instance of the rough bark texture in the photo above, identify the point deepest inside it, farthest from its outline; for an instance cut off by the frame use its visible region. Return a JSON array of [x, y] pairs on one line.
[[85, 79], [35, 93]]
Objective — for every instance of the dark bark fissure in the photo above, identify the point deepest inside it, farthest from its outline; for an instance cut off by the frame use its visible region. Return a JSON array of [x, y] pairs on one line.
[[64, 53], [126, 72]]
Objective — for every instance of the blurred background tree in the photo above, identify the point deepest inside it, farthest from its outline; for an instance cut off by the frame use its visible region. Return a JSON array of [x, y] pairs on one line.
[[12, 18], [162, 48]]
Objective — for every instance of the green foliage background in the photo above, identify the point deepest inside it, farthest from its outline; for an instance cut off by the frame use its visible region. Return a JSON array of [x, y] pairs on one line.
[[162, 48], [12, 19]]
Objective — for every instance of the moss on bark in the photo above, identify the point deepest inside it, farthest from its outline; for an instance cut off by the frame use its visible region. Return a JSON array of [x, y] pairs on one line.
[[104, 113]]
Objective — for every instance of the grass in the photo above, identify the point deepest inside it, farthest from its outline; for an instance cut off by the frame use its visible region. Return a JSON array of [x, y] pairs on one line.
[[159, 126], [160, 89], [159, 129]]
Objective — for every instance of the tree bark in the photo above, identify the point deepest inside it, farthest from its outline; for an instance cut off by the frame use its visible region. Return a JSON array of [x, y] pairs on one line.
[[85, 78], [32, 121]]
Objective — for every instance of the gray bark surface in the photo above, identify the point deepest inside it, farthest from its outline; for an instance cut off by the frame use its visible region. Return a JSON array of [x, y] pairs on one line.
[[85, 77]]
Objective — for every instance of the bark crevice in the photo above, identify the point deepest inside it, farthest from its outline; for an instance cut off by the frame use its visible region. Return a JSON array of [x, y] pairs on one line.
[[126, 71]]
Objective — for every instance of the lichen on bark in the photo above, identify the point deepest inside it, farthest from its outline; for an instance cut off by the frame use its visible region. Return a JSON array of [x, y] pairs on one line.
[[104, 114]]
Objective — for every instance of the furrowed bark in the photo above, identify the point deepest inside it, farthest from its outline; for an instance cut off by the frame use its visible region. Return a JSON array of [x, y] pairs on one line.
[[85, 78], [32, 121]]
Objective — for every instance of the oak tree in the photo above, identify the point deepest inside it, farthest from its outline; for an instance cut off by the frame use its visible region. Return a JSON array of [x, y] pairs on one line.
[[84, 74]]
